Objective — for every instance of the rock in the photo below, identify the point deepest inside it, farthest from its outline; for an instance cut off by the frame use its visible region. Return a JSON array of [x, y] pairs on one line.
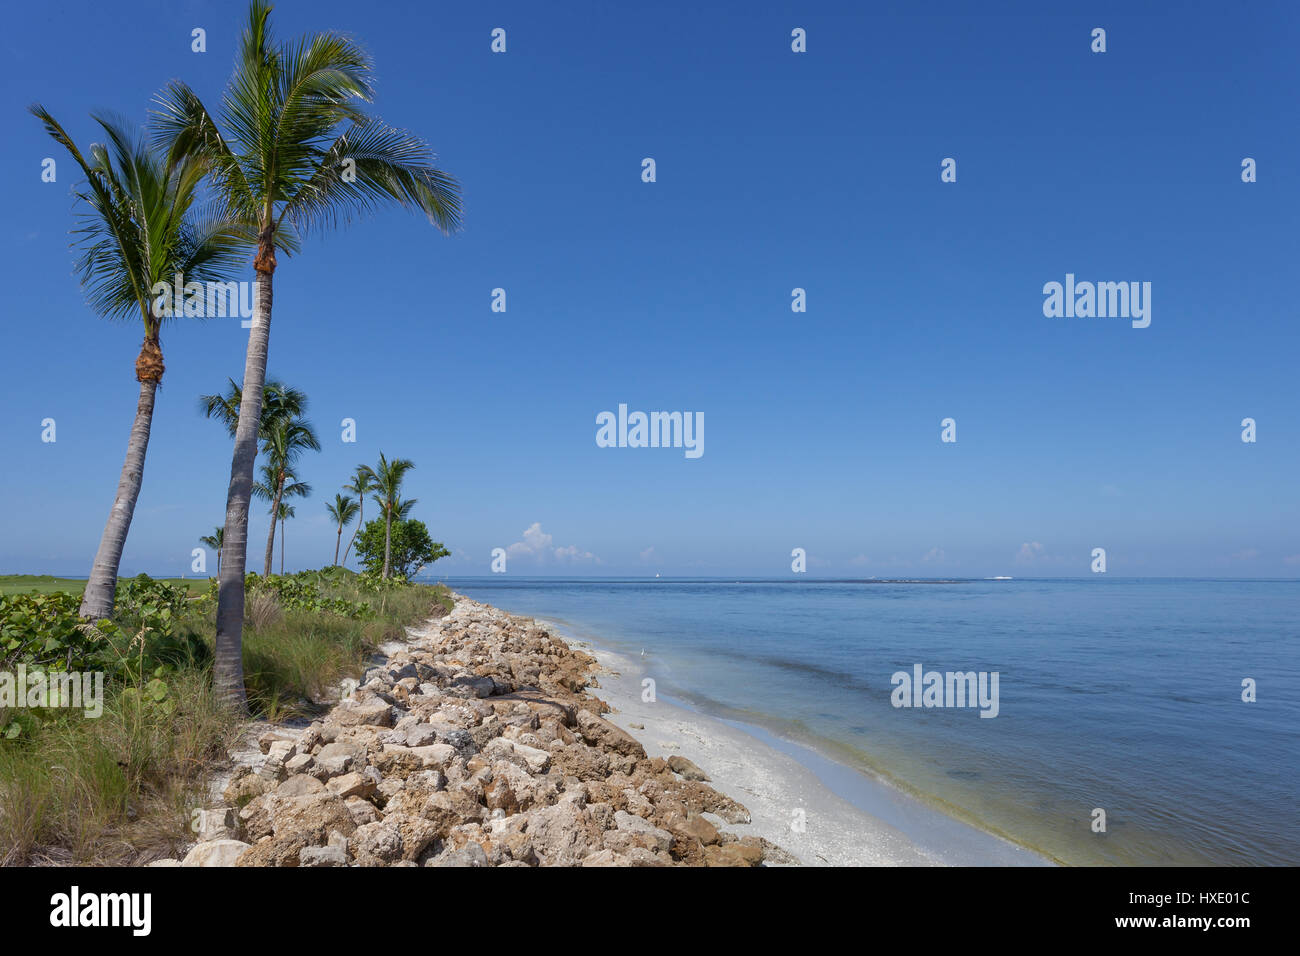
[[167, 862], [471, 854], [338, 757], [640, 827], [375, 713], [733, 854], [298, 785], [335, 853], [221, 823], [686, 768], [351, 785], [215, 853], [601, 733], [535, 760], [298, 763]]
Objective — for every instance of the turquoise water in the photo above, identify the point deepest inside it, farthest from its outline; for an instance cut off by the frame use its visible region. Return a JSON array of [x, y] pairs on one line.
[[1119, 694]]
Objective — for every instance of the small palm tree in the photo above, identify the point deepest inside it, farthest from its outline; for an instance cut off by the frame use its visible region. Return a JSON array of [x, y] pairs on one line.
[[213, 541], [137, 231], [276, 486], [363, 482], [284, 511], [295, 151], [341, 512], [286, 440], [278, 401], [388, 488]]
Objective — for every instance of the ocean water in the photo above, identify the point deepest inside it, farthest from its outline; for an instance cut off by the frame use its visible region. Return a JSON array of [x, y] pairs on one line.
[[1118, 694]]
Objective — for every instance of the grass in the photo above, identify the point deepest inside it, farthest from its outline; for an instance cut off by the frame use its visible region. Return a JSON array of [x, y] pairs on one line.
[[122, 788], [45, 584]]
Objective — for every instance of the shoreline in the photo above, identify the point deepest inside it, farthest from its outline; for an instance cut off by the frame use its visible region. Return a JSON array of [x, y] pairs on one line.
[[486, 738], [850, 818]]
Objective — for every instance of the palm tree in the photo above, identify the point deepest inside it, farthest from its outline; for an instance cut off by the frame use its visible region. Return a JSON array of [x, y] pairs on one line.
[[136, 231], [283, 511], [388, 487], [213, 541], [295, 151], [341, 512], [363, 482], [276, 485], [286, 439], [278, 401]]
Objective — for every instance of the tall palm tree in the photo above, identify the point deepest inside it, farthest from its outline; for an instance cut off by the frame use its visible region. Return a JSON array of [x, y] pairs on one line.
[[137, 230], [213, 541], [341, 513], [363, 482], [286, 439], [388, 495], [295, 151], [283, 511]]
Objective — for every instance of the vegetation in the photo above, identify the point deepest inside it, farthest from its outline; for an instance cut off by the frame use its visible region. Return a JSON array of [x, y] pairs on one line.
[[292, 124], [341, 512], [137, 230], [182, 663], [121, 786], [214, 541], [404, 546]]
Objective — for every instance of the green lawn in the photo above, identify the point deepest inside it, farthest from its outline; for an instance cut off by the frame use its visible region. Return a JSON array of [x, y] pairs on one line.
[[44, 584]]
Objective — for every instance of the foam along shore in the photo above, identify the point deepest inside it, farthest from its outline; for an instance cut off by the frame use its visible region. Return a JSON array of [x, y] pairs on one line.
[[847, 818]]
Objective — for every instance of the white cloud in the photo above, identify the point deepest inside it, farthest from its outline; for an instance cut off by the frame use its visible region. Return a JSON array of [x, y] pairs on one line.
[[539, 545], [934, 555], [1246, 554], [1029, 551], [648, 554]]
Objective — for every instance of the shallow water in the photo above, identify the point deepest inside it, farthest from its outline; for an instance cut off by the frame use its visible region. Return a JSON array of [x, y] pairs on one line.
[[1118, 694]]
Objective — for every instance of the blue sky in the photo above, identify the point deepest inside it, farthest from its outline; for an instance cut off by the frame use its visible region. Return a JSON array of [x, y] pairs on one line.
[[775, 170]]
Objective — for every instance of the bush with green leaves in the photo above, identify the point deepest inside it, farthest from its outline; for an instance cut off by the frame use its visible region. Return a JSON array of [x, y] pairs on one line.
[[412, 548]]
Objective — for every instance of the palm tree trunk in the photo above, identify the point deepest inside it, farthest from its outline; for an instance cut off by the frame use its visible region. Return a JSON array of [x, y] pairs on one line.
[[228, 665], [281, 547], [361, 514], [101, 587], [338, 541], [388, 538], [270, 538]]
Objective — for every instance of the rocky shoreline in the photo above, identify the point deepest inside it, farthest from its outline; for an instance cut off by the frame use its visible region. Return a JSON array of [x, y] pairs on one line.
[[477, 743]]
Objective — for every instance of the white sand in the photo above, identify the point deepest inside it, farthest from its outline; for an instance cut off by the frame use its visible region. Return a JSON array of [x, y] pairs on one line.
[[851, 819]]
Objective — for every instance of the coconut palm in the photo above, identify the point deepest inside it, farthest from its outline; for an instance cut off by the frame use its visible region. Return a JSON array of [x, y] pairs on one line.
[[341, 512], [388, 488], [276, 485], [278, 401], [283, 511], [286, 439], [294, 152], [137, 230], [213, 541], [363, 482]]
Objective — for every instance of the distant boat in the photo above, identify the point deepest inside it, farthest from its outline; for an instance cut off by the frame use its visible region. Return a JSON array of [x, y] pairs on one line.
[[1001, 577], [656, 574]]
